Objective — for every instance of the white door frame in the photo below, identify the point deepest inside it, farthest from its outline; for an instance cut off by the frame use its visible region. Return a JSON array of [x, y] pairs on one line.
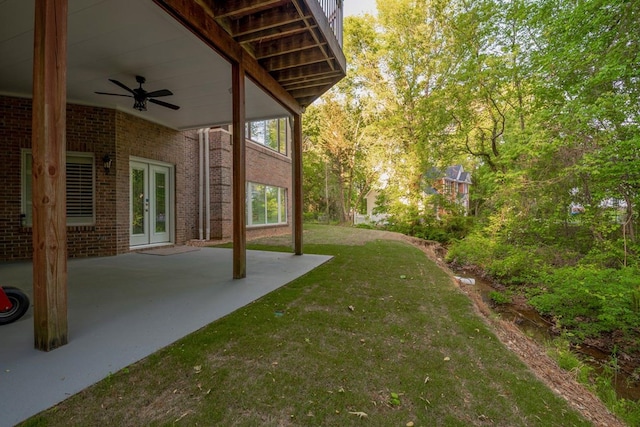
[[150, 234]]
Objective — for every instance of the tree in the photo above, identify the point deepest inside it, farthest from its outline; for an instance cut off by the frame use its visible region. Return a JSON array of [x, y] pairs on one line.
[[340, 131]]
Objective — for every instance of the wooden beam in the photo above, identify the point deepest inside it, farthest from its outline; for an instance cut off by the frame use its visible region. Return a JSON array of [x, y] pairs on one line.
[[268, 34], [239, 173], [327, 33], [49, 175], [313, 24], [272, 18], [241, 7], [306, 72], [297, 183], [311, 91], [319, 82], [197, 19], [296, 59], [284, 45], [306, 101]]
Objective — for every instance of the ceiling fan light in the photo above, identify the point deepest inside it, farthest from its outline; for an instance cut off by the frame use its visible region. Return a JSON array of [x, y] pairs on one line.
[[140, 105]]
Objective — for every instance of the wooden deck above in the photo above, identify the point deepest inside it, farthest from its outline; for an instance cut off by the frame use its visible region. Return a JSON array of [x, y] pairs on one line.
[[298, 42]]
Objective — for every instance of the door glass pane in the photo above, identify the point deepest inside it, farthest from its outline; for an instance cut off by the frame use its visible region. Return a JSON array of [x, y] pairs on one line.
[[137, 201], [161, 206]]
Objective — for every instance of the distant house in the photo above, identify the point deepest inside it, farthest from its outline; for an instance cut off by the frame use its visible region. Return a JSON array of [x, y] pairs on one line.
[[370, 217], [454, 183]]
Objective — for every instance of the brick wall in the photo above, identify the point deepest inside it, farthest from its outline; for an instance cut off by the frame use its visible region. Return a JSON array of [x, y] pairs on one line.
[[103, 131], [15, 134], [140, 138], [89, 130], [99, 131], [264, 166], [220, 181]]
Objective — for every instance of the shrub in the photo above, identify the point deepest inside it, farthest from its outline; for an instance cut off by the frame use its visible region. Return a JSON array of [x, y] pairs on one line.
[[475, 249], [366, 226], [589, 300], [499, 297], [606, 254], [426, 225], [515, 265]]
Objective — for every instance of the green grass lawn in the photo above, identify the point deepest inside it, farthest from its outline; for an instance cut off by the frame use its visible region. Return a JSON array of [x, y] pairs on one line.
[[377, 336]]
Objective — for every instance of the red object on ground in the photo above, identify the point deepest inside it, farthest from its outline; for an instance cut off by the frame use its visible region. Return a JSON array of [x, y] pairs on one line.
[[5, 303]]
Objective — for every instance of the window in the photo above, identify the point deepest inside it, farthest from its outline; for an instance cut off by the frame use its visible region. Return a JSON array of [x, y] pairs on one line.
[[270, 133], [80, 188], [266, 205], [448, 187]]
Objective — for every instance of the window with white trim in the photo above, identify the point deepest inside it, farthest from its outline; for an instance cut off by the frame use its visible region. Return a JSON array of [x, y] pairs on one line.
[[266, 205], [448, 187], [273, 133], [80, 188]]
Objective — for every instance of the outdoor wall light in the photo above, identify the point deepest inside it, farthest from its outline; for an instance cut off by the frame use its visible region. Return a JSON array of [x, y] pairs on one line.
[[106, 163]]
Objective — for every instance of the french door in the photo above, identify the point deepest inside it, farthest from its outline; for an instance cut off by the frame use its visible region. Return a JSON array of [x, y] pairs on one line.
[[151, 194]]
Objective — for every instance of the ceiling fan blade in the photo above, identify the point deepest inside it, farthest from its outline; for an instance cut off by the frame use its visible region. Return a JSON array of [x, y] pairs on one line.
[[157, 93], [164, 104], [114, 94], [122, 85]]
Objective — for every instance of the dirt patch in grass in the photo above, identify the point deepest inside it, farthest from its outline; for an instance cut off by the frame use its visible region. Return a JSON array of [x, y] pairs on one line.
[[124, 405], [530, 352]]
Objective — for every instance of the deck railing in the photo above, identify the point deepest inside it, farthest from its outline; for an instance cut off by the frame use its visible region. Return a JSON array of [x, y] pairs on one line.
[[333, 11]]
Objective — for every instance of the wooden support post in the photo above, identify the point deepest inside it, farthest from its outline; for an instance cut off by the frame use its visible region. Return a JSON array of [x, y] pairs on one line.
[[297, 183], [239, 174], [49, 174]]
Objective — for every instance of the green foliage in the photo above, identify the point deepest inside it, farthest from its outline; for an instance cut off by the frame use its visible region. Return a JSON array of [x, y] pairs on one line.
[[476, 249], [426, 225], [514, 265], [627, 410], [327, 346], [366, 226], [539, 100], [611, 254], [591, 301], [394, 399], [499, 297], [602, 383], [560, 351], [509, 264]]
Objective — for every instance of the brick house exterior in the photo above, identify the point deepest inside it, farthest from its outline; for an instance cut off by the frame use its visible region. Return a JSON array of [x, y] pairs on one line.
[[454, 183], [100, 131], [133, 174], [264, 166]]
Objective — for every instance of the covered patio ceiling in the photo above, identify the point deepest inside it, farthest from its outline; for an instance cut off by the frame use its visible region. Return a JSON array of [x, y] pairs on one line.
[[120, 39]]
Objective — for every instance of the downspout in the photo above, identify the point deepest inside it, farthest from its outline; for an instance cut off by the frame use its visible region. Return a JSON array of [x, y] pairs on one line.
[[201, 183], [207, 184]]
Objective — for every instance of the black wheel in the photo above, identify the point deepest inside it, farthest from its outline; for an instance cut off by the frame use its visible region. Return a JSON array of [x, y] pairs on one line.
[[20, 304]]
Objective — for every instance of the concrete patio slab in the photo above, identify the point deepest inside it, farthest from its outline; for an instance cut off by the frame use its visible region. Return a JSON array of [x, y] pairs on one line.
[[123, 308]]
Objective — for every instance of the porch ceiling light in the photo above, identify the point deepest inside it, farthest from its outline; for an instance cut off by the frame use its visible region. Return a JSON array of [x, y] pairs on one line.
[[107, 161]]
